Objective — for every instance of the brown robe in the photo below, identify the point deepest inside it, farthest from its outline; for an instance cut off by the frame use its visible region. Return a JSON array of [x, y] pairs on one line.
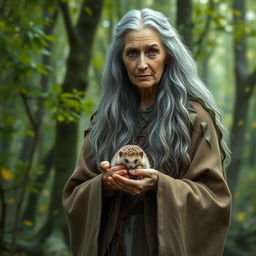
[[188, 216]]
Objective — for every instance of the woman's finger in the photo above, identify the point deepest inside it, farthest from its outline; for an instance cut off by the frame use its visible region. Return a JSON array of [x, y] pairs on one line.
[[134, 187], [104, 165], [151, 173], [123, 180], [139, 185], [117, 168], [115, 184]]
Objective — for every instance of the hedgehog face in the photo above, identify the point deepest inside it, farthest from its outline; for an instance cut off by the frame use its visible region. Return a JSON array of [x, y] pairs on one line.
[[131, 163]]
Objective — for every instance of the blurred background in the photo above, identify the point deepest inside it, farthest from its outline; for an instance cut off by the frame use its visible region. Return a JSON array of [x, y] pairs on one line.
[[51, 59]]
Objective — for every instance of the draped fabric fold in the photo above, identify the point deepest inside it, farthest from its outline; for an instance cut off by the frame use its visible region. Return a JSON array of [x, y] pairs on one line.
[[188, 216]]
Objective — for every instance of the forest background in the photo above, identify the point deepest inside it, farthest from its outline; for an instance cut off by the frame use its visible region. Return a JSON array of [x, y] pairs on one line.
[[52, 57]]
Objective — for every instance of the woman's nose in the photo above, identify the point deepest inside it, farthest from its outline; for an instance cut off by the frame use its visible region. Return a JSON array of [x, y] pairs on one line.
[[142, 64]]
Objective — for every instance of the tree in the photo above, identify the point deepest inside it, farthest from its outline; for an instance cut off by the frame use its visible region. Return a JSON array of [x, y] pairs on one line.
[[32, 202], [184, 20], [244, 83], [80, 37]]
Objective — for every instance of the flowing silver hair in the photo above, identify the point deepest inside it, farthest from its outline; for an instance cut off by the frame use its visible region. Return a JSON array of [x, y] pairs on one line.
[[116, 118]]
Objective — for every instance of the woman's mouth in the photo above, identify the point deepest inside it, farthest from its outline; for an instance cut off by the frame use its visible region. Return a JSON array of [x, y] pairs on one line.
[[143, 76]]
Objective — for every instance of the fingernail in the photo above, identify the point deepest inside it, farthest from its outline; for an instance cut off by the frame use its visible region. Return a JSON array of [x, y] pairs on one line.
[[132, 171]]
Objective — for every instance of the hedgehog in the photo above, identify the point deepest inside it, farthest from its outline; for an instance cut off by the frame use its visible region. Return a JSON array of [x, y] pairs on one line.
[[132, 156]]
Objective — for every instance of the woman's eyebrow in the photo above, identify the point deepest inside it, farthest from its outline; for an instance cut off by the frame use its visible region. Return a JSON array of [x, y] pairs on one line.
[[152, 45], [128, 48]]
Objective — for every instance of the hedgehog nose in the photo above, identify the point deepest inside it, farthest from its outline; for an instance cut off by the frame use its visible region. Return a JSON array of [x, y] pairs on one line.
[[131, 166]]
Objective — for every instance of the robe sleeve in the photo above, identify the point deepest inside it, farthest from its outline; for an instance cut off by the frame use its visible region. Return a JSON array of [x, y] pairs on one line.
[[82, 201], [193, 212]]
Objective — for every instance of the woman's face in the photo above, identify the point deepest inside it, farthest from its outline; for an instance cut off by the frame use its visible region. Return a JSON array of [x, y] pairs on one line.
[[144, 57]]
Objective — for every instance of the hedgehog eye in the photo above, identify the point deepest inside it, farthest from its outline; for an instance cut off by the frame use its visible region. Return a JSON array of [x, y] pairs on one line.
[[136, 161], [126, 160]]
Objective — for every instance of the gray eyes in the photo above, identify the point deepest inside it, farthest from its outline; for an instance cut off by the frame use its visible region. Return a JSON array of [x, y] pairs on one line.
[[132, 53], [150, 52], [153, 52]]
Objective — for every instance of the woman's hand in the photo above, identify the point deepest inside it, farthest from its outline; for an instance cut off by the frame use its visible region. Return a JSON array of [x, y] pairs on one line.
[[109, 187], [147, 180]]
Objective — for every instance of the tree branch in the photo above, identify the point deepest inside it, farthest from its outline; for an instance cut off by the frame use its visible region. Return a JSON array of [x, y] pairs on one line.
[[26, 174], [87, 18], [71, 31], [46, 61], [80, 53], [28, 111], [201, 39]]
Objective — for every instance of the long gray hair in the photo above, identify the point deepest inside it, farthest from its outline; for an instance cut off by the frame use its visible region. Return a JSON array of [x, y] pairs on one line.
[[168, 133]]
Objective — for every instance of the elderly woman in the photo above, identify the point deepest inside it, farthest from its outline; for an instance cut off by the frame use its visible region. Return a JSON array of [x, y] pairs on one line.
[[152, 97]]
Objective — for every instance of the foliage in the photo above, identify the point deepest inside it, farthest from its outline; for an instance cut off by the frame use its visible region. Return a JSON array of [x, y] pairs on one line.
[[67, 106], [22, 42]]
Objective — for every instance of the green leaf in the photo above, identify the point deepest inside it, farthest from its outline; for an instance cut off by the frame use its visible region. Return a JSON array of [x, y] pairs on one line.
[[40, 69], [60, 118], [88, 10], [51, 38], [2, 25], [57, 88], [24, 57], [237, 13], [30, 133], [30, 35]]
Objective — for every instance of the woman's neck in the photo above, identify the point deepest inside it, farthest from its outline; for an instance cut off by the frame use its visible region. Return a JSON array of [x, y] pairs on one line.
[[147, 97]]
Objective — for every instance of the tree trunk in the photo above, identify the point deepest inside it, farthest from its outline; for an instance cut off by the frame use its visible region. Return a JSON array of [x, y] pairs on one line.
[[200, 43], [238, 138], [252, 143], [184, 20], [244, 87], [252, 157], [81, 41]]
